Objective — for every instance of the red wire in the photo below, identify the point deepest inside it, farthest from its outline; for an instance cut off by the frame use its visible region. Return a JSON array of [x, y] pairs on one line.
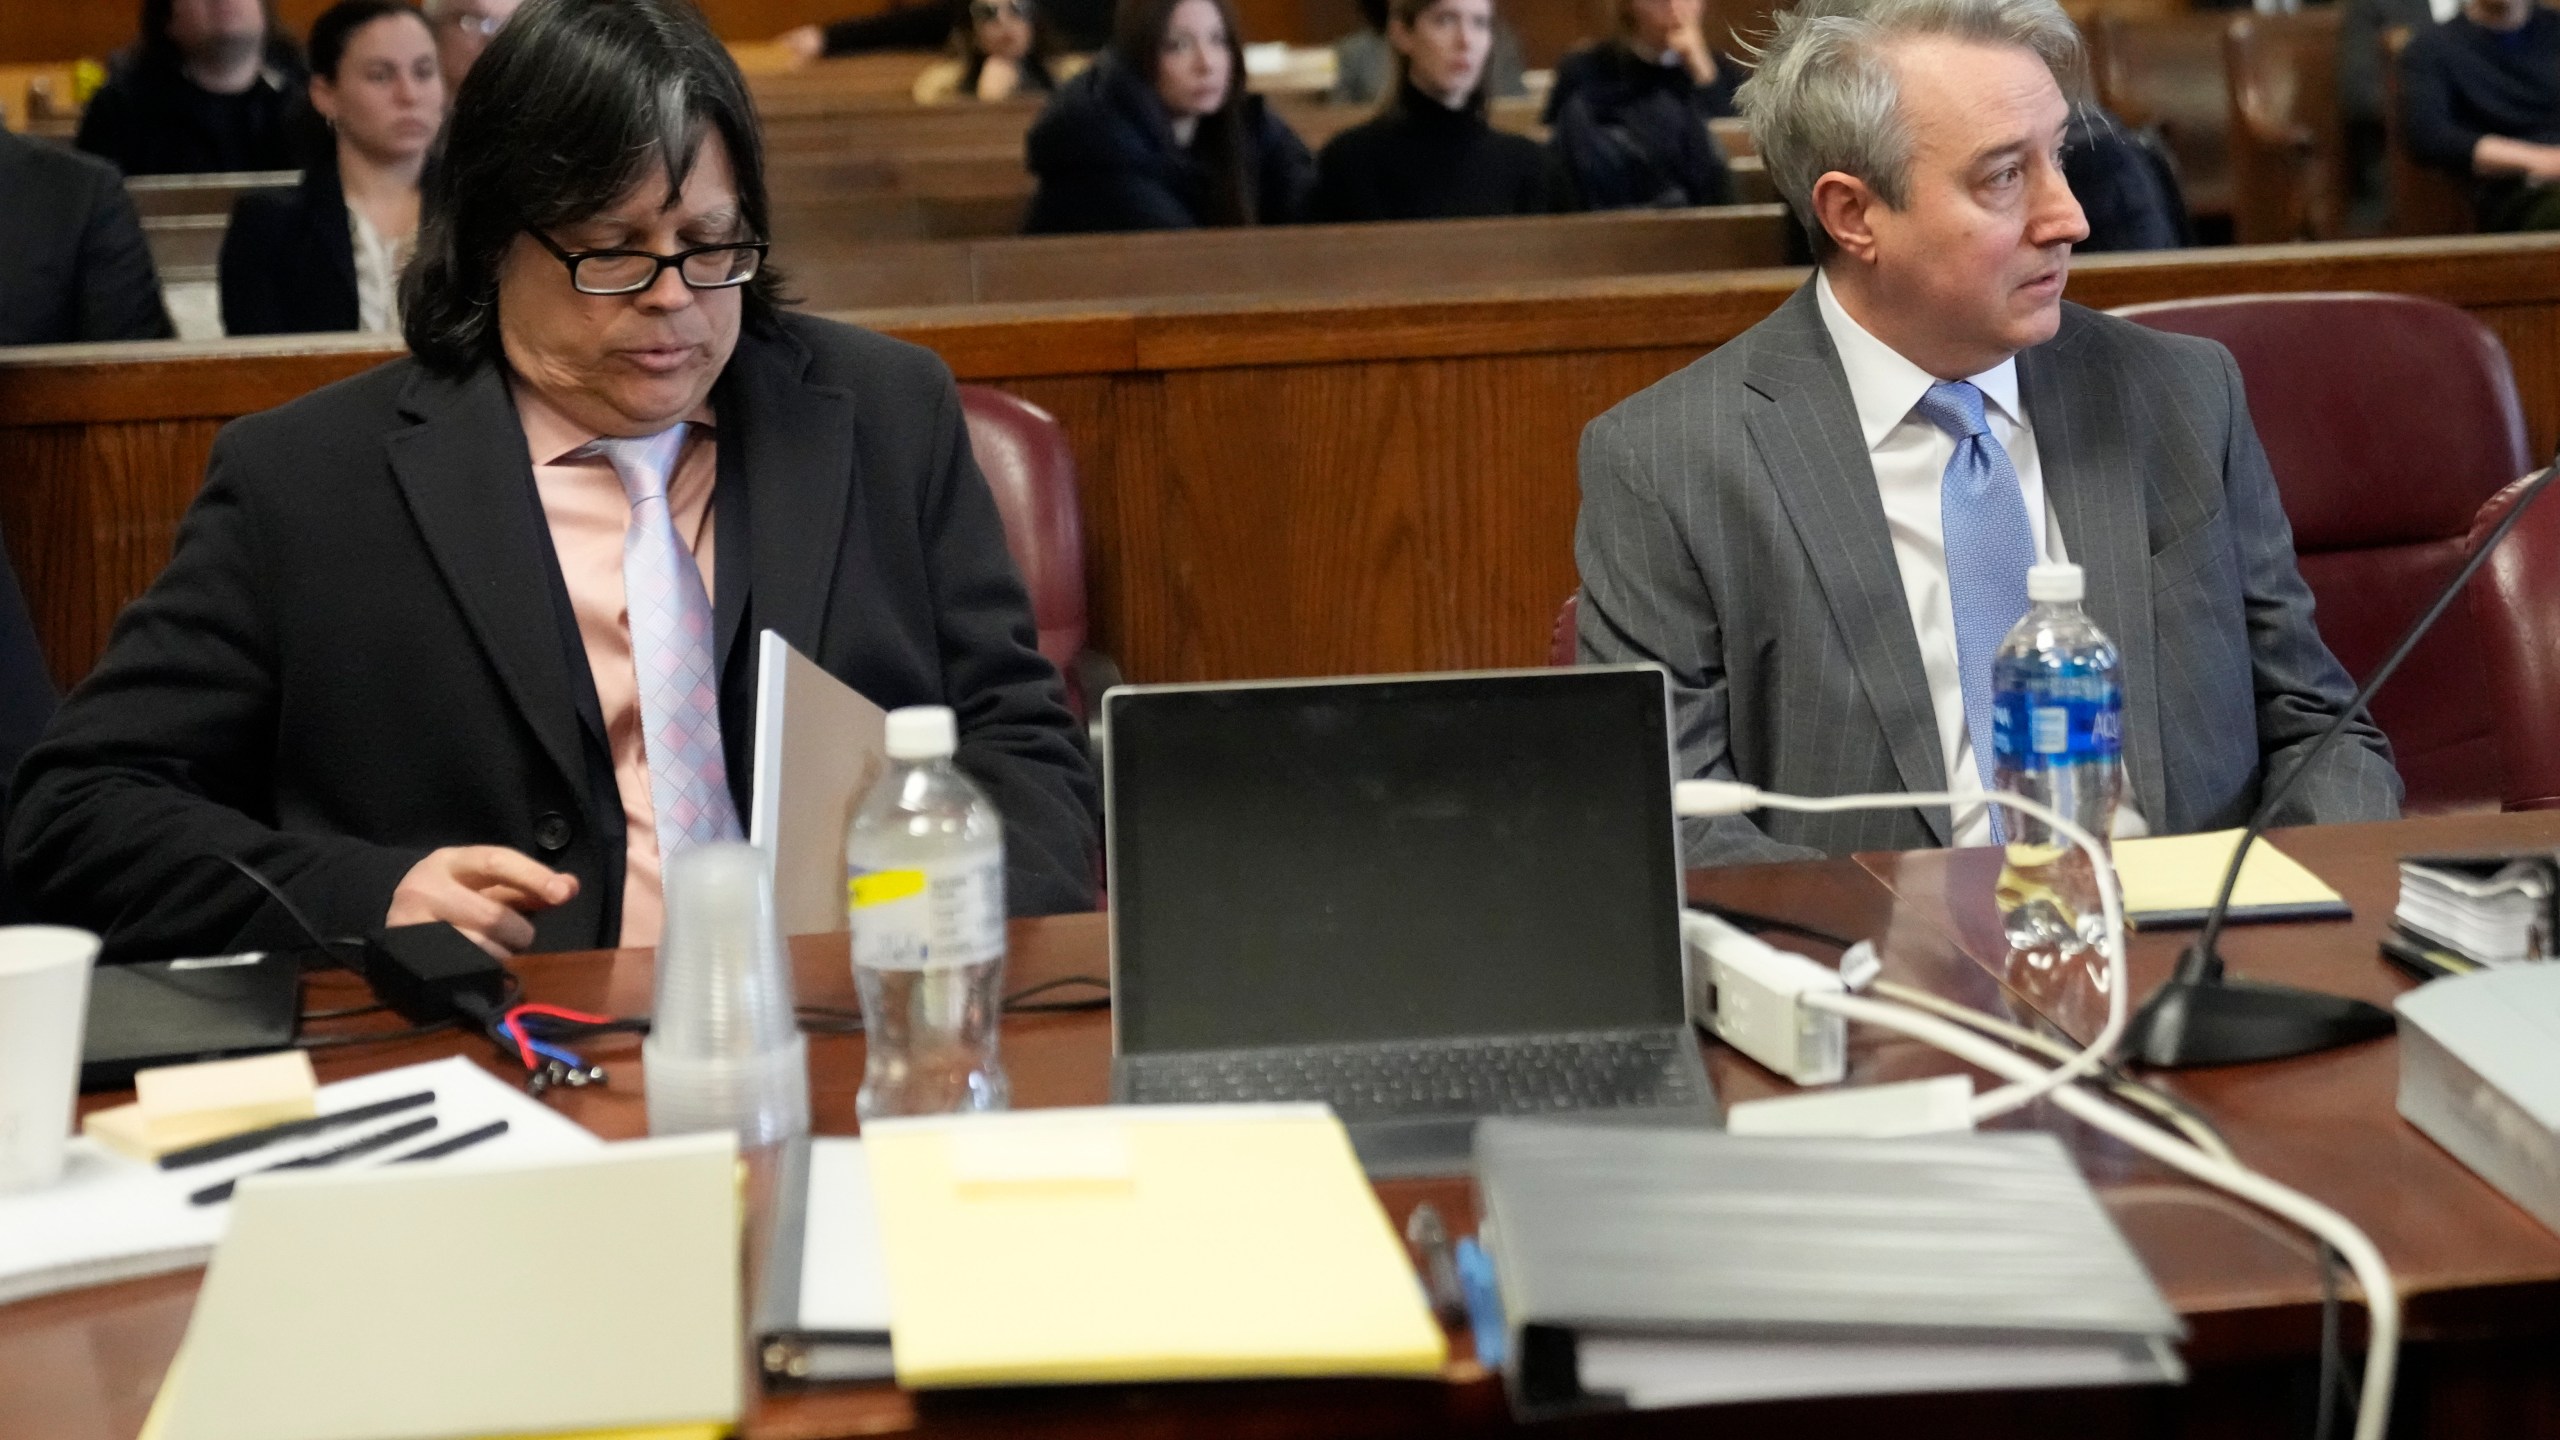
[[580, 1016]]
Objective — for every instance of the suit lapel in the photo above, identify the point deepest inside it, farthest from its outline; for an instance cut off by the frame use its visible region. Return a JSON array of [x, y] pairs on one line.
[[2084, 444], [463, 471], [787, 446], [1807, 431]]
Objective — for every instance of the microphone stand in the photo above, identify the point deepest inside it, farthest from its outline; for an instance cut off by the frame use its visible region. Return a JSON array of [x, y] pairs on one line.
[[2201, 1016]]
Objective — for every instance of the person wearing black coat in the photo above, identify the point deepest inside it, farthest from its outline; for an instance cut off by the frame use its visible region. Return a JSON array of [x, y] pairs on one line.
[[1629, 114], [1430, 154], [73, 262], [288, 263], [216, 88], [1160, 134], [301, 260], [373, 668]]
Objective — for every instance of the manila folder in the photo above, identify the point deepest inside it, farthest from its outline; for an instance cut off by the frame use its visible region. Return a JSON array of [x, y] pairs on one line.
[[819, 745]]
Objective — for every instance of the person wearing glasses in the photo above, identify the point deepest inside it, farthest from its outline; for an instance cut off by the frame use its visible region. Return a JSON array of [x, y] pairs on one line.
[[471, 637], [1000, 49], [326, 254], [464, 28]]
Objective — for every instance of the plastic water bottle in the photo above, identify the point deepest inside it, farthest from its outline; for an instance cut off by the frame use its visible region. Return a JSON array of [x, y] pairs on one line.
[[924, 876], [2057, 727]]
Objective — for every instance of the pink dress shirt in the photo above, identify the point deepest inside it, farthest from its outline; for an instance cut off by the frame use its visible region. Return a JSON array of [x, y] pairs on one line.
[[583, 503]]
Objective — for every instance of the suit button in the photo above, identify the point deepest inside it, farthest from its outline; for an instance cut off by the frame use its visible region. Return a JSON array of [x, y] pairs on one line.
[[552, 831]]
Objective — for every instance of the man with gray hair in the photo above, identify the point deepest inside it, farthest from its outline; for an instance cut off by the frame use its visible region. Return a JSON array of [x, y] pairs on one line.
[[1815, 527]]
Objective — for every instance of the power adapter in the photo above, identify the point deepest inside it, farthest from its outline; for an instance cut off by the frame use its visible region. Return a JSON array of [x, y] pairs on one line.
[[1750, 993], [429, 974]]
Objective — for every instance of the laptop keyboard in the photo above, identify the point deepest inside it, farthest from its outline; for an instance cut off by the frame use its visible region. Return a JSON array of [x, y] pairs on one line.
[[1520, 1075]]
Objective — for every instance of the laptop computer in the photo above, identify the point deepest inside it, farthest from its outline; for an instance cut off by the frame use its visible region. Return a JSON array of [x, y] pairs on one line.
[[1422, 900]]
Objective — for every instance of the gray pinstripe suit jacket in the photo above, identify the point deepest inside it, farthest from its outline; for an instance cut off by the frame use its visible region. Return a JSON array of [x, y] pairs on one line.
[[1731, 531]]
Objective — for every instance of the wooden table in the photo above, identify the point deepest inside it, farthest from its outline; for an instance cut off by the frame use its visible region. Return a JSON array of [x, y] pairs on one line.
[[2481, 1278]]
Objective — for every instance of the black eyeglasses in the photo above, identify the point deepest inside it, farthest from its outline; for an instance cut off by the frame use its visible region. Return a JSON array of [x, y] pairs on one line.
[[628, 272], [982, 11]]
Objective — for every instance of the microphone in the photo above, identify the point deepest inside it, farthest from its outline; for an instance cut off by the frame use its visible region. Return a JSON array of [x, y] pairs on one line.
[[2201, 1016]]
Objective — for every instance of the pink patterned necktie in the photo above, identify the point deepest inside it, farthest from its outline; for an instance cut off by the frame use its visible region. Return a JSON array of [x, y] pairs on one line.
[[671, 651]]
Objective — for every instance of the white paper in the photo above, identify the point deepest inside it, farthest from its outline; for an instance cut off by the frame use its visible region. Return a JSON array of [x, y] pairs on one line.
[[819, 745], [112, 1217], [844, 1279]]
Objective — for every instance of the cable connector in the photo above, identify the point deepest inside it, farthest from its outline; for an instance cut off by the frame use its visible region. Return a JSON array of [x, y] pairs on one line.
[[1709, 798], [1751, 994]]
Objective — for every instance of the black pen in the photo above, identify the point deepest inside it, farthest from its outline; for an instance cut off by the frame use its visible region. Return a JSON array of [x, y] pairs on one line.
[[442, 1148], [214, 1194], [243, 1143]]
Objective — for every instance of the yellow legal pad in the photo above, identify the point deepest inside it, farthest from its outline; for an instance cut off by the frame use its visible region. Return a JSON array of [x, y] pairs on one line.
[[2171, 880], [1140, 1243]]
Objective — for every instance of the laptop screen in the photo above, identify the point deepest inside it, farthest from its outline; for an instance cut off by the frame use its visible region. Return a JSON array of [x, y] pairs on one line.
[[1307, 863]]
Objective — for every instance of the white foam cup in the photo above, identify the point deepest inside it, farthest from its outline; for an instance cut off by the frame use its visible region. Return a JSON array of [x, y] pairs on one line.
[[44, 1009]]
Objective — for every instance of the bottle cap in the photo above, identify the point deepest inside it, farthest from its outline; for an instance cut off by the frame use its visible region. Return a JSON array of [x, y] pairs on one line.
[[2057, 583], [922, 732]]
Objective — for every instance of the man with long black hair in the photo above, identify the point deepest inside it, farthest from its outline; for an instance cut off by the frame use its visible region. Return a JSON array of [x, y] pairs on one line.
[[212, 85], [471, 637]]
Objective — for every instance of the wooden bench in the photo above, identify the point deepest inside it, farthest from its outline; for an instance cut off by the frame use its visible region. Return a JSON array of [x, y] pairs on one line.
[[1364, 484], [2288, 142], [1302, 260], [2168, 70]]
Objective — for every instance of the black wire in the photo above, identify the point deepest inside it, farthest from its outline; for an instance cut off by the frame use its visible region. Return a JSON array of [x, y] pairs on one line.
[[308, 1016], [326, 945], [1754, 921], [832, 1020], [2334, 1392], [332, 1042]]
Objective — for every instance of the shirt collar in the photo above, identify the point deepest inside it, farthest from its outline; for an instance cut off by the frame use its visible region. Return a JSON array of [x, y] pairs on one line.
[[1886, 387], [551, 436]]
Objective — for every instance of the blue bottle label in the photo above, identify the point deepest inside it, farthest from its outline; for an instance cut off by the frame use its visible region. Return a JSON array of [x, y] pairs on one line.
[[2063, 722]]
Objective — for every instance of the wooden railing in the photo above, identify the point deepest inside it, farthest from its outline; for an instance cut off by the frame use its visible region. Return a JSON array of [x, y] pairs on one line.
[[1315, 486]]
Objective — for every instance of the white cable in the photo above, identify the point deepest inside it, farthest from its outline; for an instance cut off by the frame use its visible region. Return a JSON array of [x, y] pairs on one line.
[[1726, 797], [2381, 1297], [2021, 1038]]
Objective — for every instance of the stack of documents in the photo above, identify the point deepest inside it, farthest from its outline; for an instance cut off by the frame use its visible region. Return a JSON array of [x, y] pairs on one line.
[[112, 1217], [822, 1298], [1144, 1243], [597, 1294], [2489, 910], [2480, 1074], [1644, 1268]]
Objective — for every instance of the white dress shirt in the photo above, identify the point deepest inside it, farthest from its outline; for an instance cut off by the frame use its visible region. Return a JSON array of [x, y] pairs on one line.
[[1910, 456]]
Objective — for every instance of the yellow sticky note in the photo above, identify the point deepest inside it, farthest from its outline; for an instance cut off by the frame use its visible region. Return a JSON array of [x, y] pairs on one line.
[[2171, 879]]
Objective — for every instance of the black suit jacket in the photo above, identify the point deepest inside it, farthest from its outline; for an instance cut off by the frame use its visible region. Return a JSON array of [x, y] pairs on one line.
[[73, 265], [362, 651], [288, 263]]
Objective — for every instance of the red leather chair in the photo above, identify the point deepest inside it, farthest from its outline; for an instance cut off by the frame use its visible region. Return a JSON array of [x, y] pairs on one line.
[[1560, 642], [1023, 451], [2389, 421], [2515, 602]]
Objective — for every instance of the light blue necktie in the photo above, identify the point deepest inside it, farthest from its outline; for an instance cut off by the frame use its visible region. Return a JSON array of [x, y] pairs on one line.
[[671, 651], [1989, 549]]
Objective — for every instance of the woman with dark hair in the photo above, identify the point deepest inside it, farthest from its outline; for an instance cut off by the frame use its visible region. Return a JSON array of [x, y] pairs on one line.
[[472, 636], [212, 85], [326, 255], [1000, 49], [1630, 113], [1161, 134], [1430, 153]]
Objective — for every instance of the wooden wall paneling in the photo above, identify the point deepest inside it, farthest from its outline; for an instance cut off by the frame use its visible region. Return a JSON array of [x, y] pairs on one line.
[[82, 551], [2531, 334]]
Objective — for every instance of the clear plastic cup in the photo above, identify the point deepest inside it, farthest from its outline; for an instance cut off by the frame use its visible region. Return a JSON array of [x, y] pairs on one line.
[[725, 1050], [44, 1012]]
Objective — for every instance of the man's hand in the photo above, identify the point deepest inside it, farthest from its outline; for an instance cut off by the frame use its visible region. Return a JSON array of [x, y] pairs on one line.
[[484, 891], [2498, 155]]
